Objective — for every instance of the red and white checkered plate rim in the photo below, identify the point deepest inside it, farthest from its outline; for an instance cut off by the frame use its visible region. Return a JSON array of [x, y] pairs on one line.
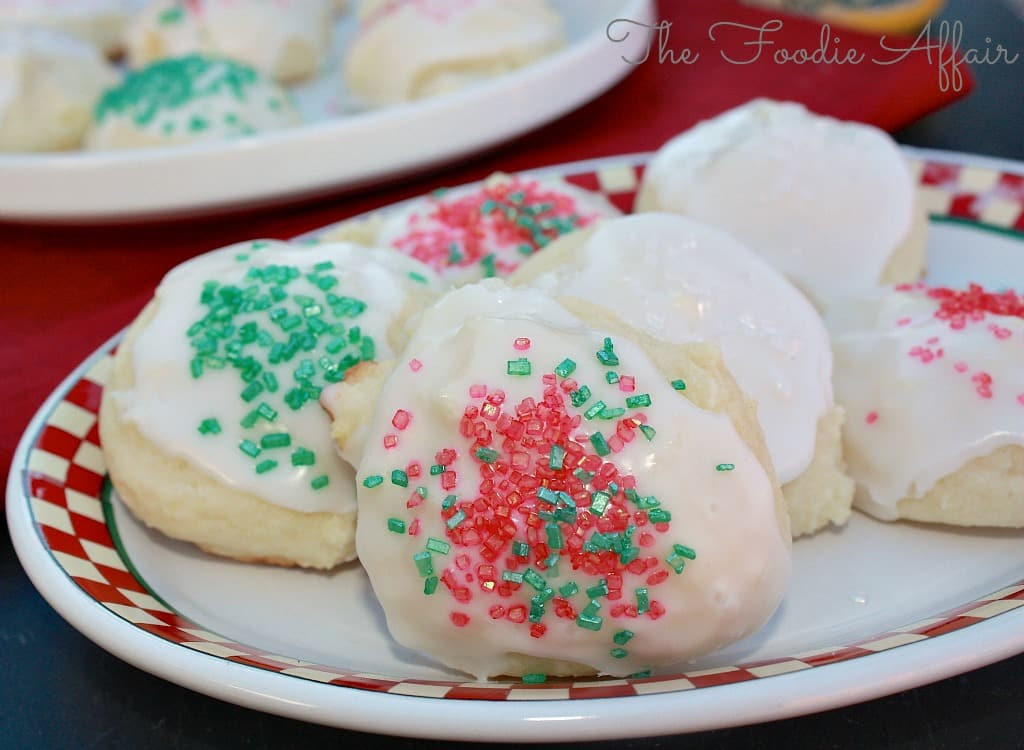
[[64, 485]]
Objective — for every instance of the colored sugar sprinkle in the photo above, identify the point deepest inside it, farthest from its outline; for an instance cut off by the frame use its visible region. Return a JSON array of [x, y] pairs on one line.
[[521, 344], [303, 457], [399, 478], [320, 482], [611, 377], [401, 419], [622, 637], [418, 277], [519, 367], [679, 385], [486, 455], [600, 444], [264, 466], [959, 307], [430, 585], [396, 525], [438, 545], [648, 431], [725, 467], [424, 564], [491, 228], [209, 426], [557, 457], [565, 368], [871, 418], [374, 480], [249, 448], [276, 440], [640, 400], [535, 678], [595, 409], [590, 622], [619, 653]]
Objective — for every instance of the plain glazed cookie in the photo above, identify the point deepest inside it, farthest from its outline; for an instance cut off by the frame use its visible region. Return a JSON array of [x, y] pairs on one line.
[[933, 382], [49, 84], [680, 281], [287, 40], [479, 231], [522, 513], [412, 49], [189, 99], [829, 203], [101, 23], [210, 425]]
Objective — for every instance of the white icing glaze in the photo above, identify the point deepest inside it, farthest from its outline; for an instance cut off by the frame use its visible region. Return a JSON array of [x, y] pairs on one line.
[[223, 111], [427, 228], [409, 49], [49, 83], [167, 403], [742, 561], [914, 389], [261, 33], [824, 201], [99, 22], [682, 281]]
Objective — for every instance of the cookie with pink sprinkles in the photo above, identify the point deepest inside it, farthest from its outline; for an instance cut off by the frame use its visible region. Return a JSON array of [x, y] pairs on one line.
[[480, 231], [933, 382], [544, 491]]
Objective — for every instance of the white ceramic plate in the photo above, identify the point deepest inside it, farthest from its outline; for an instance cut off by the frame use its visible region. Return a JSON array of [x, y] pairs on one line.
[[874, 608], [334, 152]]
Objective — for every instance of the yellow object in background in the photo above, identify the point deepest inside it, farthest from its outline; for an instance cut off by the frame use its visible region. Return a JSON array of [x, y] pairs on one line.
[[869, 16]]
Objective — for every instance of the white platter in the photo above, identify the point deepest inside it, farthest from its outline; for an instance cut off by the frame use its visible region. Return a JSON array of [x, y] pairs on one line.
[[874, 608], [330, 154]]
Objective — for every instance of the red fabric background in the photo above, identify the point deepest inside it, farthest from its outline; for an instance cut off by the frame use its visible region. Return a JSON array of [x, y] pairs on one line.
[[69, 288]]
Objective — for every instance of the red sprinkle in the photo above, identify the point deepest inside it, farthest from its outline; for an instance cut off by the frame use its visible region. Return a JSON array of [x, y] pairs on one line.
[[871, 418], [401, 419], [415, 365], [459, 619], [390, 441], [521, 344]]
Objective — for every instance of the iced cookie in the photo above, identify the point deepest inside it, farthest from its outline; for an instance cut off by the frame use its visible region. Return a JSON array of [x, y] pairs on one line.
[[101, 23], [933, 382], [210, 424], [479, 231], [523, 513], [49, 84], [681, 281], [831, 204], [287, 40], [189, 99], [412, 49]]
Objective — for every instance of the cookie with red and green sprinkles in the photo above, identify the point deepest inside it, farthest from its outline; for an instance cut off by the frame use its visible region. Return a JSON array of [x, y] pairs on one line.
[[195, 98], [484, 230], [211, 425], [537, 496], [932, 379]]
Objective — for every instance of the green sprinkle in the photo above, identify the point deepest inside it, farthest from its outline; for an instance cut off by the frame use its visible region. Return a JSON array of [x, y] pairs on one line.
[[209, 426], [264, 466], [511, 576], [276, 440], [525, 249], [456, 519], [430, 585], [600, 444], [611, 377], [607, 358], [534, 678], [249, 448], [374, 480], [598, 589], [641, 675], [417, 277], [725, 467], [676, 563], [424, 564], [172, 15], [399, 478], [599, 502], [619, 653], [641, 399], [684, 551], [320, 482], [594, 410], [648, 431], [536, 610], [486, 455], [679, 385], [535, 579], [520, 549], [436, 469], [569, 589], [565, 368], [270, 382], [487, 263], [555, 540], [438, 545], [303, 457], [659, 515], [397, 525], [610, 413], [622, 637], [580, 397], [196, 367], [589, 622], [266, 411], [642, 601], [448, 502], [519, 366], [556, 457]]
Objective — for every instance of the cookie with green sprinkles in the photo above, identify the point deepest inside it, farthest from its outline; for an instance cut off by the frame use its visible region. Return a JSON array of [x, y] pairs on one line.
[[212, 427], [484, 230], [195, 98], [522, 514]]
